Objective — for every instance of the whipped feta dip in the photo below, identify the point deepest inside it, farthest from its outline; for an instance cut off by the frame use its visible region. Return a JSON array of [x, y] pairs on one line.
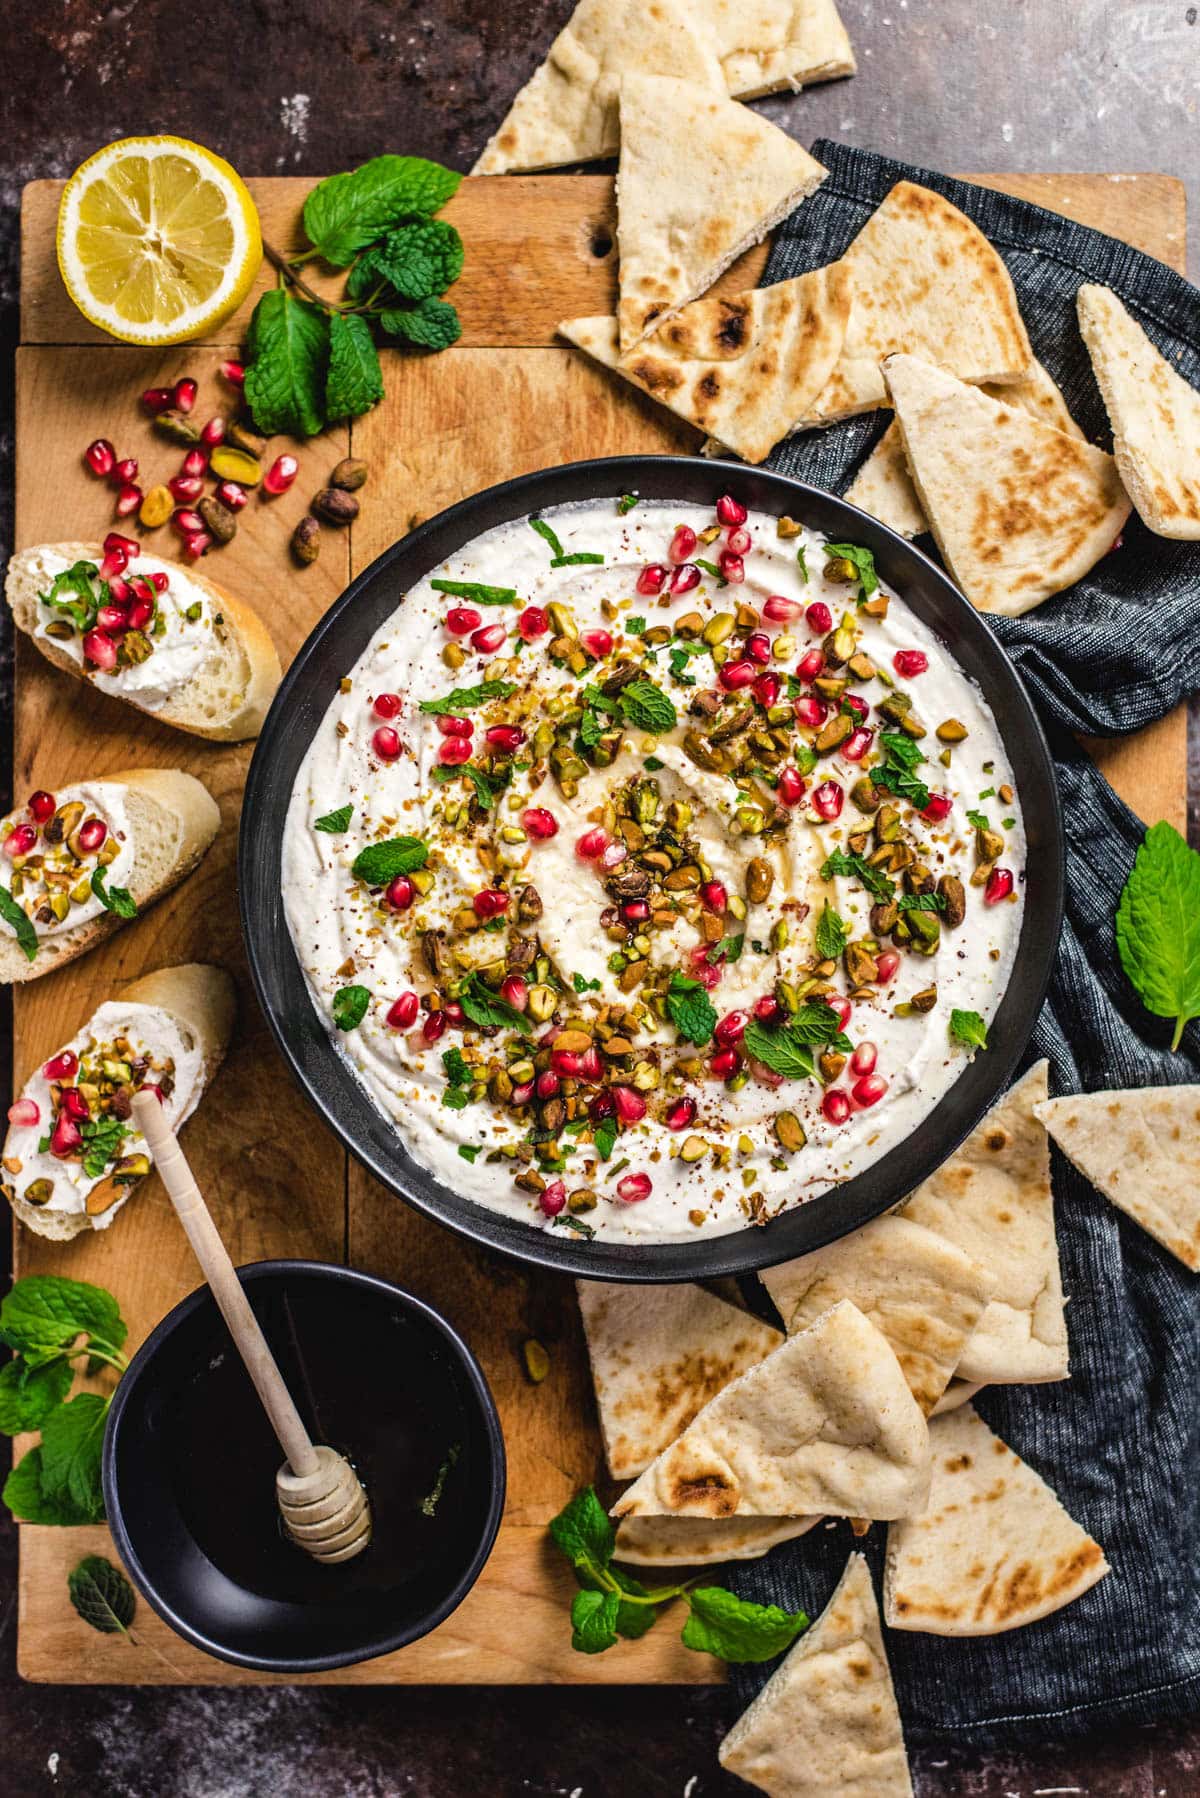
[[51, 848], [695, 880]]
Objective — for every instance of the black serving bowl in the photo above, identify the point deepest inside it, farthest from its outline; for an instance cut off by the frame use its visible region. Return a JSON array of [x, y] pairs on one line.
[[312, 683], [190, 1463]]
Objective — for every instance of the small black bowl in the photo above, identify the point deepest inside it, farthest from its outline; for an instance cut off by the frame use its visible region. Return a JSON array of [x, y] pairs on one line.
[[309, 688], [190, 1463]]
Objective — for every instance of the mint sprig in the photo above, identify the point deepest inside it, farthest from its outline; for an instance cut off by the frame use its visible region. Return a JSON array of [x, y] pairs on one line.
[[690, 1009], [114, 899], [380, 863], [102, 1595], [863, 562], [466, 699], [22, 926], [350, 1004], [1158, 927]]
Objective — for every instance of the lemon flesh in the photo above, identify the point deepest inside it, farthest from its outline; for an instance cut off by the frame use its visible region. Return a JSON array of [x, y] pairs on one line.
[[158, 240]]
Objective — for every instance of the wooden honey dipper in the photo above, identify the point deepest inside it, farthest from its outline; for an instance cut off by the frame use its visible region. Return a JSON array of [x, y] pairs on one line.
[[325, 1509]]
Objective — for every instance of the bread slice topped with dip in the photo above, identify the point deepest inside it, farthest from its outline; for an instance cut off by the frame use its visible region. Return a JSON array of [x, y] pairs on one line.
[[161, 636], [73, 1155], [78, 863]]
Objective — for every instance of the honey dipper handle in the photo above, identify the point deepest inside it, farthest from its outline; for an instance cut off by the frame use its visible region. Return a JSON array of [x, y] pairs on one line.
[[226, 1288]]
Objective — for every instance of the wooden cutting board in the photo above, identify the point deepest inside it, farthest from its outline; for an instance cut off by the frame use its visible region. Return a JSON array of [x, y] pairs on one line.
[[506, 400]]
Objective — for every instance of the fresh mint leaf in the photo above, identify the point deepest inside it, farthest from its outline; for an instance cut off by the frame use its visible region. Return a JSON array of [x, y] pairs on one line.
[[584, 1531], [969, 1029], [788, 1049], [690, 1009], [350, 1006], [548, 533], [457, 1068], [896, 773], [25, 1498], [345, 213], [485, 785], [594, 1621], [29, 1394], [102, 1138], [626, 503], [288, 356], [23, 927], [78, 593], [575, 1225], [635, 627], [711, 569], [46, 1312], [863, 561], [469, 1151], [591, 729], [1158, 927], [604, 1137], [647, 707], [737, 1630], [102, 1595], [921, 902], [72, 1438], [465, 699], [354, 381], [433, 325], [417, 261], [115, 899], [488, 1009], [575, 559], [831, 934], [802, 564], [335, 822], [482, 594], [856, 867], [379, 863], [633, 1620], [979, 820], [729, 949]]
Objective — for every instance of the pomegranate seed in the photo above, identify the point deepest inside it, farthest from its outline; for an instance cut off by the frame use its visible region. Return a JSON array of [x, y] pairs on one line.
[[601, 1107], [281, 474], [738, 542], [386, 705], [115, 562], [681, 1114], [386, 743], [140, 588], [126, 470], [733, 569], [194, 463], [160, 580], [939, 808], [650, 580], [735, 675], [100, 651], [856, 703], [597, 643], [767, 689], [629, 1104], [999, 886], [232, 495], [591, 844], [185, 488], [910, 662], [112, 620], [63, 1066], [714, 897], [887, 966], [120, 592], [453, 1012], [707, 973], [454, 751], [547, 1084], [827, 800], [591, 1064], [767, 1009], [791, 786], [25, 1112], [858, 743], [843, 1007], [539, 823], [552, 1198], [758, 647], [41, 806], [400, 893], [522, 1093], [488, 640], [213, 432], [196, 544], [20, 841], [781, 611], [233, 372], [128, 500], [66, 1137], [451, 725], [730, 510], [725, 1063], [187, 522], [566, 1062], [633, 1188], [810, 711], [731, 1028], [403, 1012], [819, 618], [185, 393], [74, 1105], [434, 1026], [533, 623], [835, 1107], [810, 664], [92, 835], [514, 992], [614, 855], [157, 399], [683, 544], [507, 738], [869, 1090], [101, 458], [636, 911], [490, 902], [864, 1058], [684, 578], [140, 612]]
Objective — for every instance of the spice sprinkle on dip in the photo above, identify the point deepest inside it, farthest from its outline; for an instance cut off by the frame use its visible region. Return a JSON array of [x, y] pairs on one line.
[[655, 868]]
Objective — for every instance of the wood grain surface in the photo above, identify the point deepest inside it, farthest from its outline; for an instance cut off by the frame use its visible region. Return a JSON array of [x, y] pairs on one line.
[[506, 400]]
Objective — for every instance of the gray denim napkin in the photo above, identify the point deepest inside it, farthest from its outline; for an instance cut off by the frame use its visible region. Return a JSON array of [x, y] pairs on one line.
[[1119, 1441]]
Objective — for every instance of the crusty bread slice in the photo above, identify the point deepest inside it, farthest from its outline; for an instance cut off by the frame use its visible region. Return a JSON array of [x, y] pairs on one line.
[[227, 699], [200, 999], [173, 819]]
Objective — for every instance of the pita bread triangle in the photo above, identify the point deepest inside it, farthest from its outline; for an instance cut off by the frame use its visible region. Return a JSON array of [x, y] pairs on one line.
[[567, 110], [928, 282], [923, 1294], [1154, 413], [765, 45], [739, 367], [994, 1550], [958, 1392], [883, 486], [701, 179], [699, 1541], [1018, 510], [659, 1354], [826, 1724], [824, 1424], [992, 1199], [1141, 1149]]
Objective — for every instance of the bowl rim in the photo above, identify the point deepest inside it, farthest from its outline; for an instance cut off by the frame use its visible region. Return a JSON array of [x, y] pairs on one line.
[[327, 1078], [139, 1370]]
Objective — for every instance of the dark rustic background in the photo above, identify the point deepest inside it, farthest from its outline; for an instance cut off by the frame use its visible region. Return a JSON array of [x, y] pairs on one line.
[[298, 87]]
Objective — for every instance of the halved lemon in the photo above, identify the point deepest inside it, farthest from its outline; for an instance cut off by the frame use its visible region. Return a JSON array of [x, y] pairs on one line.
[[158, 239]]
